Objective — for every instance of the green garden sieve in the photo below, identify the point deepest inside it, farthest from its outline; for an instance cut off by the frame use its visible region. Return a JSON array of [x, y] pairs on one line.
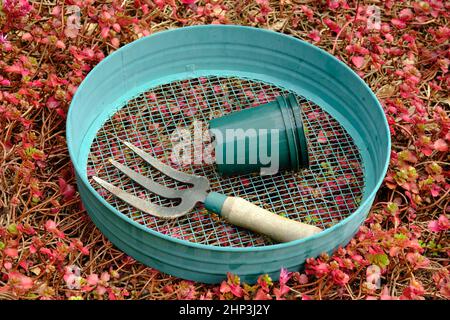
[[145, 91]]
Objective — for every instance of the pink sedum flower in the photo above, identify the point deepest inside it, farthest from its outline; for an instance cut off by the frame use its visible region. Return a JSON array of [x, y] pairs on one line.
[[262, 295], [284, 276], [15, 9], [3, 38], [441, 224], [11, 252], [440, 145], [314, 35], [414, 291], [358, 61], [340, 277], [20, 281], [92, 279], [232, 285]]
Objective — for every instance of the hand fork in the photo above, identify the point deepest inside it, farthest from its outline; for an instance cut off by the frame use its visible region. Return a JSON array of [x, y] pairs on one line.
[[235, 210]]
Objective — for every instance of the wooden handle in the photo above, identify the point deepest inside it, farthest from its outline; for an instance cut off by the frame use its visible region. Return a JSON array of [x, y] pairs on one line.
[[245, 214]]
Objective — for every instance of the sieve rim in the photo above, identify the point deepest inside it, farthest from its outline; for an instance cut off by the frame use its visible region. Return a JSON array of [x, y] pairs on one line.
[[82, 174]]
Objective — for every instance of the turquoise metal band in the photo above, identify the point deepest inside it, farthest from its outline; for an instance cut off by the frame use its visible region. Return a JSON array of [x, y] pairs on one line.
[[214, 202]]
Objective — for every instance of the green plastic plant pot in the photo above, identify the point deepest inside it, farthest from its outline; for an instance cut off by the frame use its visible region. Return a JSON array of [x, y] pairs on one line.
[[263, 139]]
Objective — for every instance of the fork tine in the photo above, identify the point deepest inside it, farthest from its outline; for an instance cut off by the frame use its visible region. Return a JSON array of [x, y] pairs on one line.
[[147, 183], [144, 205], [167, 170]]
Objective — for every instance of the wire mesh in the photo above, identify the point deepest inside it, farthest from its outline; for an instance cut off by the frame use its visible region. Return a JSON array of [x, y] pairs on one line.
[[330, 190]]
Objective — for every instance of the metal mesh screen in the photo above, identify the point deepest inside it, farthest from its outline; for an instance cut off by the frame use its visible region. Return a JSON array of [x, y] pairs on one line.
[[330, 190]]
